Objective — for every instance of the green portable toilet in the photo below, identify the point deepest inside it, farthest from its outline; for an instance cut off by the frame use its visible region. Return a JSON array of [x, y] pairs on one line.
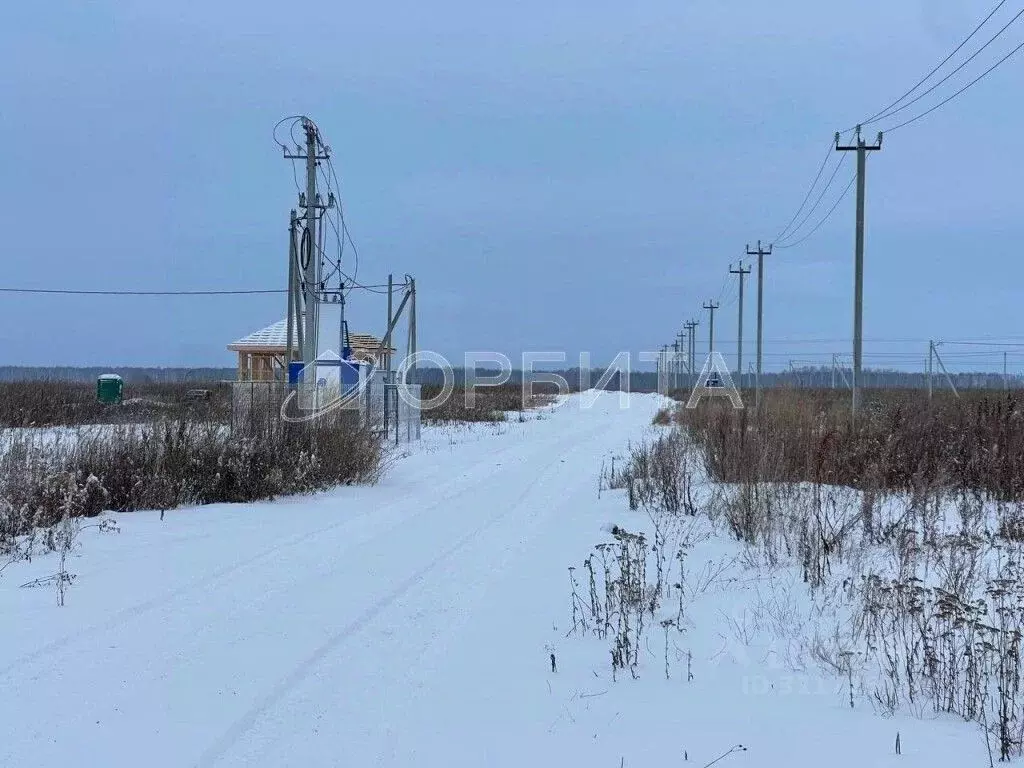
[[109, 388]]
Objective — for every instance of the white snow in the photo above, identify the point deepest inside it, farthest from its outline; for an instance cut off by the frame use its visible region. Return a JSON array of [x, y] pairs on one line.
[[410, 624]]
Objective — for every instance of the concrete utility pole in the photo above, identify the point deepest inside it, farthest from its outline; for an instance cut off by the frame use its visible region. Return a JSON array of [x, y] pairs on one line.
[[387, 350], [413, 348], [679, 357], [294, 322], [682, 360], [691, 352], [761, 253], [741, 273], [711, 306], [861, 148], [675, 364], [309, 243], [312, 264]]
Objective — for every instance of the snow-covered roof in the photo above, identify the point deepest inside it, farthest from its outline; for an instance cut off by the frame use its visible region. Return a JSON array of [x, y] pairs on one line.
[[109, 377], [274, 338], [275, 335]]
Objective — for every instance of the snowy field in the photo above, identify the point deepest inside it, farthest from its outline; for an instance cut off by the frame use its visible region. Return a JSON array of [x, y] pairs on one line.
[[413, 624]]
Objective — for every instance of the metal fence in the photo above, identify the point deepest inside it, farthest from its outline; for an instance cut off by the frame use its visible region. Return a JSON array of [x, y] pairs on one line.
[[256, 405], [396, 417]]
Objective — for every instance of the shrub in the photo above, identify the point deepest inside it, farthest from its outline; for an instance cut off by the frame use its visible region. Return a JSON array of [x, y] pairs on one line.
[[165, 464]]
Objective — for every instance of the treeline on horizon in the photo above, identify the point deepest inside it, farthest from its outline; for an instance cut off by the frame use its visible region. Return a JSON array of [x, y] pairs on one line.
[[640, 381]]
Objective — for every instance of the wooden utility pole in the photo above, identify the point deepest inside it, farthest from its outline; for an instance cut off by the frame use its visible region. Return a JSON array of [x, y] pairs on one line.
[[861, 148]]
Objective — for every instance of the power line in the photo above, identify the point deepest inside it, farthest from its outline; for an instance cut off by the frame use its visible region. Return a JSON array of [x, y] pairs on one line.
[[889, 112], [963, 64], [825, 218], [950, 98], [817, 202], [882, 113], [214, 292], [76, 292], [821, 169]]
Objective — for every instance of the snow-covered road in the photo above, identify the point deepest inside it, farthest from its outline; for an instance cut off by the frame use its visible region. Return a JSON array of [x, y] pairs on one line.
[[411, 624], [404, 624]]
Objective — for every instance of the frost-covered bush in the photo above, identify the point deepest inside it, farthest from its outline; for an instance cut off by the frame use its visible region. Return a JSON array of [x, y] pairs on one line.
[[45, 478]]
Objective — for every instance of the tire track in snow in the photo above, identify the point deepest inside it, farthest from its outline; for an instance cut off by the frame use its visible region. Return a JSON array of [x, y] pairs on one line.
[[281, 689], [126, 615]]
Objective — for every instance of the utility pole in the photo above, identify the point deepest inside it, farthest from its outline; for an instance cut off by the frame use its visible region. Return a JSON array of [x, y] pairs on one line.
[[413, 348], [675, 364], [861, 148], [711, 306], [309, 247], [693, 349], [684, 360], [1006, 382], [691, 326], [293, 325], [761, 253], [679, 357], [387, 351], [741, 273]]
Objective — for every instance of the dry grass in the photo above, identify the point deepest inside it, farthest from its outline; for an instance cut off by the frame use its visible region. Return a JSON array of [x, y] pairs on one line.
[[488, 404], [65, 403], [47, 476], [907, 532], [901, 442]]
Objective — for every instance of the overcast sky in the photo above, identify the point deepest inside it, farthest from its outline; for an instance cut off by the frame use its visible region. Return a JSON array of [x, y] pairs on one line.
[[556, 175]]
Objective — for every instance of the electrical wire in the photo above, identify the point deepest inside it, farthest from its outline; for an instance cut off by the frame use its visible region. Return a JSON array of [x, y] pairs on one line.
[[291, 128], [213, 292], [721, 290], [881, 113], [333, 184], [827, 216], [821, 169], [77, 292], [957, 93], [813, 208], [789, 232], [341, 215], [963, 64]]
